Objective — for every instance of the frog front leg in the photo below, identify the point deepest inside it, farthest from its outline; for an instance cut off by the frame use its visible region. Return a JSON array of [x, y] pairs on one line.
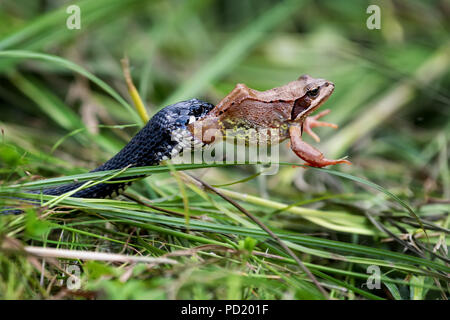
[[311, 122], [311, 155]]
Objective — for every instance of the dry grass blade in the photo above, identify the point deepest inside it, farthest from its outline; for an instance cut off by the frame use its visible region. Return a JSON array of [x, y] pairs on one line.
[[89, 255]]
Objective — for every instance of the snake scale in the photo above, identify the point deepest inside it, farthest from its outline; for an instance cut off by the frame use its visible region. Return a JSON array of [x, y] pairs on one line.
[[164, 136]]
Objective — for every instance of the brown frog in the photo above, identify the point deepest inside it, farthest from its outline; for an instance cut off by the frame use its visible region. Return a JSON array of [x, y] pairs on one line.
[[285, 109]]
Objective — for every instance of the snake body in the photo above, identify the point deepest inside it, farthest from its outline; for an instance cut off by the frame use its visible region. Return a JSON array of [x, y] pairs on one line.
[[164, 136]]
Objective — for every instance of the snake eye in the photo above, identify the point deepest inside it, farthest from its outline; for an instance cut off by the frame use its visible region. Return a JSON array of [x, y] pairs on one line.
[[313, 93], [197, 111]]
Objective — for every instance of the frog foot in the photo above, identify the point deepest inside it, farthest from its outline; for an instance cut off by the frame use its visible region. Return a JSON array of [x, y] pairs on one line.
[[311, 122], [323, 162], [308, 153]]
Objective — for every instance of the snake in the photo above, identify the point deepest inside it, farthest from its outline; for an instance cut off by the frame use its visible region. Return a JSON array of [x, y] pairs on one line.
[[164, 136]]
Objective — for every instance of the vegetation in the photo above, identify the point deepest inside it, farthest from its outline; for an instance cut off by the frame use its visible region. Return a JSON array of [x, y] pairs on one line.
[[65, 109]]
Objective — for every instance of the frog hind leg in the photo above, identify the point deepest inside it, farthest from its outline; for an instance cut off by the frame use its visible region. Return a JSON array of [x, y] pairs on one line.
[[311, 122], [311, 155]]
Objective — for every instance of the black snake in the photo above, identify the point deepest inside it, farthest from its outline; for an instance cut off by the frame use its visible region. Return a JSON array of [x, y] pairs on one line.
[[163, 137]]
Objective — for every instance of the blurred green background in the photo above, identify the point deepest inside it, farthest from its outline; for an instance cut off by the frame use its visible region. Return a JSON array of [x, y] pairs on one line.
[[391, 102]]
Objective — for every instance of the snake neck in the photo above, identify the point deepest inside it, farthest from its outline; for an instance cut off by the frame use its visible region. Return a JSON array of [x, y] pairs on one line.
[[162, 138]]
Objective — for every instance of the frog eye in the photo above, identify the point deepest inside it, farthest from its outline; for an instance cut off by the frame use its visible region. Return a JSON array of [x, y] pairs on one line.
[[313, 93]]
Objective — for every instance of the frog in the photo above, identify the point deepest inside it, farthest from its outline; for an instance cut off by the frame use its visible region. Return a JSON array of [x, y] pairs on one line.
[[285, 110]]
